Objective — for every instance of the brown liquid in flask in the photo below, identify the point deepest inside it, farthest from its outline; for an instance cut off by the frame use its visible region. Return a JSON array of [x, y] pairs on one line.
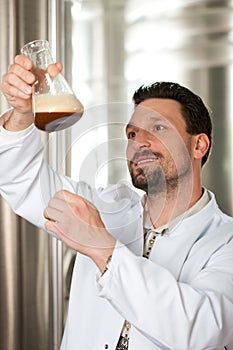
[[56, 112]]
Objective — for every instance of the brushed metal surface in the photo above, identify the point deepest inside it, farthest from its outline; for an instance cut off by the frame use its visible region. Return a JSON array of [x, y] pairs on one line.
[[25, 274]]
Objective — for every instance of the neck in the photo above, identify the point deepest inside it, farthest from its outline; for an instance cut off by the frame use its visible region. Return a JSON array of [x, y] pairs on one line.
[[164, 207]]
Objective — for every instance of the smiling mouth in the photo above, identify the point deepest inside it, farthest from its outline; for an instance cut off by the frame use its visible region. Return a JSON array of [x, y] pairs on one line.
[[145, 160]]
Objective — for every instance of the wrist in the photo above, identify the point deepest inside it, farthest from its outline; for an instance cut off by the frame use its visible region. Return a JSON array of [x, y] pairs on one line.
[[103, 259], [18, 121]]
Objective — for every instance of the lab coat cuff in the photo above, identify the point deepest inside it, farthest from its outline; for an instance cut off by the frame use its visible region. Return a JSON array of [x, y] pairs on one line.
[[104, 280], [9, 136]]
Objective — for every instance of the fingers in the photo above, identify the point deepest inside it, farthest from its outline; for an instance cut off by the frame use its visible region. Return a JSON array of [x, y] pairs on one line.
[[61, 203], [13, 86], [54, 69], [66, 195], [52, 214], [55, 209], [52, 227], [66, 206], [59, 66], [72, 201], [16, 83], [73, 198], [23, 61], [21, 68], [23, 75], [62, 199]]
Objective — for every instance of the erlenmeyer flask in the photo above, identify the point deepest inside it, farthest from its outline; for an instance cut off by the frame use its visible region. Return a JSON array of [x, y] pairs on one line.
[[55, 107]]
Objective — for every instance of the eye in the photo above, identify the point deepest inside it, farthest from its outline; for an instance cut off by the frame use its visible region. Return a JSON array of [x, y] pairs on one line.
[[131, 134], [158, 127]]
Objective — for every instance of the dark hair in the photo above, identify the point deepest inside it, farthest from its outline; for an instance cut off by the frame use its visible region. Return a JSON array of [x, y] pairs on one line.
[[194, 111]]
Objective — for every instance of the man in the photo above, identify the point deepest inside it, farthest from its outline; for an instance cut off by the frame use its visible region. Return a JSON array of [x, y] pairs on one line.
[[152, 273]]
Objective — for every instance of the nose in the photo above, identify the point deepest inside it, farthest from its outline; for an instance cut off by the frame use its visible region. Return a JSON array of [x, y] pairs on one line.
[[141, 140]]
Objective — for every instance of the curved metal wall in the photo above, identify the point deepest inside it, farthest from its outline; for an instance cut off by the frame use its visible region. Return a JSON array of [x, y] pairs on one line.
[[25, 297], [34, 267]]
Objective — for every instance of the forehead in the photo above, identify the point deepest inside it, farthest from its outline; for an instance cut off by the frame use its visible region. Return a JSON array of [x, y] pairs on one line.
[[159, 109]]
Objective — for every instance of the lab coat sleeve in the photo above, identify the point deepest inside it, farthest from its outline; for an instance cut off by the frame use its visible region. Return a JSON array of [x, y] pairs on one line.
[[26, 181], [173, 315]]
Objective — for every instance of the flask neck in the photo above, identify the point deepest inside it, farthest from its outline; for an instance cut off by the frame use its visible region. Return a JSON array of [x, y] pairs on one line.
[[39, 52]]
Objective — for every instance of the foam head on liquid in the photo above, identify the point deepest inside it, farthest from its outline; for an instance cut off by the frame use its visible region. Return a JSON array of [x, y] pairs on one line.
[[56, 103]]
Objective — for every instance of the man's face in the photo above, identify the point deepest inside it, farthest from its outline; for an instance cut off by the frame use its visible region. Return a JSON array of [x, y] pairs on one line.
[[159, 148]]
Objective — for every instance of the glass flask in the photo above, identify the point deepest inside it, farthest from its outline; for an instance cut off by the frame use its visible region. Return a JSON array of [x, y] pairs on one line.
[[55, 107]]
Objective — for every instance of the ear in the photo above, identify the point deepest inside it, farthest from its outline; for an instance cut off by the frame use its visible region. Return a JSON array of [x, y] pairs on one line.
[[201, 146]]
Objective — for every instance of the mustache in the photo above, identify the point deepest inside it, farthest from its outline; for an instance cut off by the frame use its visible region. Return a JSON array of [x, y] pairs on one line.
[[145, 153]]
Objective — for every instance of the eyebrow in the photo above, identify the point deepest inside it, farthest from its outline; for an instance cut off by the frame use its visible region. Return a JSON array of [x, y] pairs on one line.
[[128, 126], [151, 118], [158, 119]]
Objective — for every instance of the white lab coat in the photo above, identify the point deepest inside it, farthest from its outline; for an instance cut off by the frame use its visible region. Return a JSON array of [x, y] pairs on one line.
[[180, 299]]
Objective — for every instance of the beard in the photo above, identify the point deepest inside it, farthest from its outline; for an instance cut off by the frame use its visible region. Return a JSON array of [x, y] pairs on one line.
[[159, 177], [148, 181]]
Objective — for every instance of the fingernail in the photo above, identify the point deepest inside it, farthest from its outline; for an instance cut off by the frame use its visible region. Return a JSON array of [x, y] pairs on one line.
[[27, 65]]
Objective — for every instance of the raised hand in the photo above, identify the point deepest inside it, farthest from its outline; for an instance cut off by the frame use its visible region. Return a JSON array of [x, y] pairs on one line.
[[17, 84]]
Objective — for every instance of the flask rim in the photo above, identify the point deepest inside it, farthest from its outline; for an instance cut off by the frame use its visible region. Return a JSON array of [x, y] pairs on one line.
[[34, 46]]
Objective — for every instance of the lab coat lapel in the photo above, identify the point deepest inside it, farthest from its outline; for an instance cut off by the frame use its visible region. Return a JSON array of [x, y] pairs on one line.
[[130, 233], [172, 250]]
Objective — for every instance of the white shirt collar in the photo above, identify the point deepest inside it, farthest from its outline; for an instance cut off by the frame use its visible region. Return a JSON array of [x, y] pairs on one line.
[[201, 203]]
